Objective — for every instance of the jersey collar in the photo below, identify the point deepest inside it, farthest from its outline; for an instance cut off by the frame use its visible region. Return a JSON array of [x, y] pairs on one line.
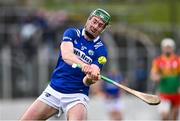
[[171, 56], [83, 33]]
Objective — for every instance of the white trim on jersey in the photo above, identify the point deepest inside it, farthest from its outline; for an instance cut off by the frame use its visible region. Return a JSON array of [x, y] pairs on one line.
[[97, 38], [83, 32], [78, 32], [67, 38]]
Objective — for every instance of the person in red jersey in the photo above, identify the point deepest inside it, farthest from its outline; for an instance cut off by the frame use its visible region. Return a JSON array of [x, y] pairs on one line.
[[166, 72]]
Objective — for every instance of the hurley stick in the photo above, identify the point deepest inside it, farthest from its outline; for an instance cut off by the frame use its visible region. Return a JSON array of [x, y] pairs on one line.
[[147, 98]]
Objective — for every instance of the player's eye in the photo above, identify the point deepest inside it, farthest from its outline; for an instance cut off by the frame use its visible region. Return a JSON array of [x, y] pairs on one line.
[[100, 25], [94, 21]]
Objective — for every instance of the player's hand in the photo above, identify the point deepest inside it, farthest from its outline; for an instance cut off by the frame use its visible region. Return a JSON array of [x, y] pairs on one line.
[[87, 69], [87, 80], [95, 74]]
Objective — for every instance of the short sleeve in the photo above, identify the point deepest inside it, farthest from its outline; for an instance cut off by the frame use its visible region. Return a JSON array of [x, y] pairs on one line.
[[70, 35], [101, 51]]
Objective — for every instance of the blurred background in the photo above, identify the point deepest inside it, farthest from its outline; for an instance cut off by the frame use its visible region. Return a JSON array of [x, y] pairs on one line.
[[31, 32]]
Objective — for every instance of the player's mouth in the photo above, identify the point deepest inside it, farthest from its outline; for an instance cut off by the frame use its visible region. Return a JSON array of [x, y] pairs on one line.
[[93, 30]]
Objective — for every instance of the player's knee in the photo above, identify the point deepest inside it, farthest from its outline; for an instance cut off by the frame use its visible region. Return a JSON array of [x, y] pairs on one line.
[[77, 112]]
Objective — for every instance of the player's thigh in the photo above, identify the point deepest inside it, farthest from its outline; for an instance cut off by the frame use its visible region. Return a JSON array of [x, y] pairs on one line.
[[39, 110], [77, 112]]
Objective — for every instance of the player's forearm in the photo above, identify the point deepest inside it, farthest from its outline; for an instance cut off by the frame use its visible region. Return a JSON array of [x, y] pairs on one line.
[[155, 77], [68, 55], [67, 52]]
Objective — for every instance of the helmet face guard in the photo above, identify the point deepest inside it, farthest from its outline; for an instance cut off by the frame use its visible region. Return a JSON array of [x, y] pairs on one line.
[[102, 14]]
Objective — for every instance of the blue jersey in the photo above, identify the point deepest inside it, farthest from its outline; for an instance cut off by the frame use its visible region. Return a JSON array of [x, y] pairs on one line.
[[66, 79], [111, 89]]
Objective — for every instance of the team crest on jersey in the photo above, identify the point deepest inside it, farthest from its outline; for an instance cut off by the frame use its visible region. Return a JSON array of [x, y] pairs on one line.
[[91, 52]]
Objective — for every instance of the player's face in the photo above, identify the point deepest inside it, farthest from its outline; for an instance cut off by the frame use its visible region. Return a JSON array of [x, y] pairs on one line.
[[167, 50], [94, 26]]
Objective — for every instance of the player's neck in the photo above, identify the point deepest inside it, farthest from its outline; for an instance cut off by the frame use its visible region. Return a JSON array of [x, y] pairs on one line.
[[88, 36], [168, 55]]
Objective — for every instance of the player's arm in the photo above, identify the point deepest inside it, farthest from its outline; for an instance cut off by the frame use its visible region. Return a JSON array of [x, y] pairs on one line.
[[69, 57], [155, 75], [67, 50]]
